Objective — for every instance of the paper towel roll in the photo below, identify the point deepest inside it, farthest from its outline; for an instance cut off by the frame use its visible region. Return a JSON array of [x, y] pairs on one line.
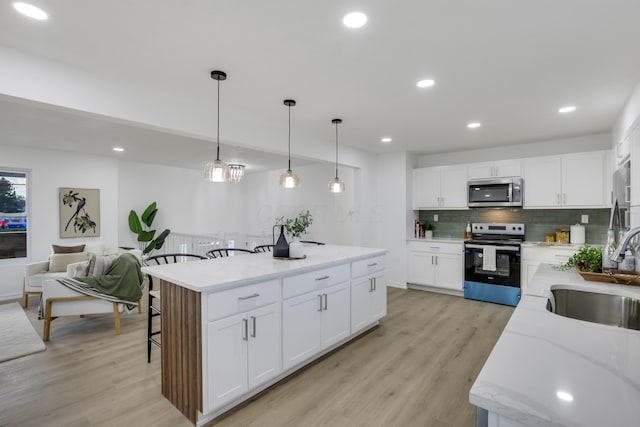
[[577, 234]]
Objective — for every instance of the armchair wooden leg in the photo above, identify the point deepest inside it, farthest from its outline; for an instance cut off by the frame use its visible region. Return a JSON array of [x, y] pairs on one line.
[[25, 295], [47, 321], [140, 306], [116, 317]]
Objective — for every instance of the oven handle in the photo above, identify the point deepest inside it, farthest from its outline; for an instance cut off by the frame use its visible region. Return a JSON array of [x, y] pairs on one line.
[[498, 248]]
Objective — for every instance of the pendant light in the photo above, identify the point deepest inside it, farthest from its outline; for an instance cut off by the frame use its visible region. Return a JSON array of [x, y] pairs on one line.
[[336, 185], [289, 179], [236, 172], [216, 171]]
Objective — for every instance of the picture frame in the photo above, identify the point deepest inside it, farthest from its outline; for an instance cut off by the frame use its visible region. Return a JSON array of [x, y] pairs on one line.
[[79, 212]]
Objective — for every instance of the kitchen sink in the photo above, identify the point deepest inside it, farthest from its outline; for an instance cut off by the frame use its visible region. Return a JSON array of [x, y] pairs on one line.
[[594, 307]]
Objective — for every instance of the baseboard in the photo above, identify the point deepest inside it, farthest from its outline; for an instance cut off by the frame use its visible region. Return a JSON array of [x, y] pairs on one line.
[[10, 297], [454, 292], [399, 285]]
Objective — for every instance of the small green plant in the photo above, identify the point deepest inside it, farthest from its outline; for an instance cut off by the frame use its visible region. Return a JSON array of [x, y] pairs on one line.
[[428, 226], [296, 226], [144, 232], [587, 258]]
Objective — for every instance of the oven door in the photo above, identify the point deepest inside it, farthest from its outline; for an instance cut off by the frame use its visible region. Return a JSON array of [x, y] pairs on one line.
[[507, 265]]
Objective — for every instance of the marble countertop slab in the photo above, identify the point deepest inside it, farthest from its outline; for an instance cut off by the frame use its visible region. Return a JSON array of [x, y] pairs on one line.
[[227, 272], [540, 354]]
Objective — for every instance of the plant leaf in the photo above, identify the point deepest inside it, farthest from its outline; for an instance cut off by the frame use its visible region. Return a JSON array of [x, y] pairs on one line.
[[134, 222], [149, 214], [146, 236], [161, 238]]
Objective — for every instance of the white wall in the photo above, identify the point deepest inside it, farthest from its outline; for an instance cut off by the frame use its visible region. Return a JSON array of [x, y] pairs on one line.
[[578, 144], [333, 214], [630, 113], [50, 170], [186, 202]]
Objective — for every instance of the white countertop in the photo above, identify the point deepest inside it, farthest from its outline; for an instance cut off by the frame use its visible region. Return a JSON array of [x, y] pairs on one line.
[[540, 353], [221, 273]]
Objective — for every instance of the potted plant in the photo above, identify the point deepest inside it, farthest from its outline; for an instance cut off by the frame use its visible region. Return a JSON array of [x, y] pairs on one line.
[[296, 227], [586, 259], [428, 229], [143, 230]]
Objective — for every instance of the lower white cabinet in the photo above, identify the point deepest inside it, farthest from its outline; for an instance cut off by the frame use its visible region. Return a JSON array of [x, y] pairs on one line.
[[533, 256], [368, 300], [314, 321], [435, 264], [244, 352]]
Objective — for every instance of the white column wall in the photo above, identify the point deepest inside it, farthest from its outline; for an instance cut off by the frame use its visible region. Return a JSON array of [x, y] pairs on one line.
[[50, 170], [628, 116]]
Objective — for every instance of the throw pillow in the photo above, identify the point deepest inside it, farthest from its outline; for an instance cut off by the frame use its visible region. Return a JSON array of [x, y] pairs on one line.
[[78, 269], [99, 264], [67, 249], [59, 262]]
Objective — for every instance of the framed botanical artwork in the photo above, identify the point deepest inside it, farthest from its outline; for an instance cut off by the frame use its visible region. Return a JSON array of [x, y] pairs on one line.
[[79, 212]]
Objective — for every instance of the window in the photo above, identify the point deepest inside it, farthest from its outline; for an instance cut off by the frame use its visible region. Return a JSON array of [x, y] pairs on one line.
[[13, 214]]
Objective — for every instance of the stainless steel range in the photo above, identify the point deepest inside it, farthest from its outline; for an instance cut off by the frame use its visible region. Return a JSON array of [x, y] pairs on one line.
[[492, 263]]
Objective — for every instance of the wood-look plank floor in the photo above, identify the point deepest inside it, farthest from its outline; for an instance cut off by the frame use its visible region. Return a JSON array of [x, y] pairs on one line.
[[415, 369]]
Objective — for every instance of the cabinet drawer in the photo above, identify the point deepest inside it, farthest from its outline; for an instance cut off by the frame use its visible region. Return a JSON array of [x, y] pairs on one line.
[[433, 246], [367, 266], [242, 298], [317, 279]]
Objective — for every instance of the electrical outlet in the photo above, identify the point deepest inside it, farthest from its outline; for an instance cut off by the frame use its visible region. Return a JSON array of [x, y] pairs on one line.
[[584, 219], [435, 218]]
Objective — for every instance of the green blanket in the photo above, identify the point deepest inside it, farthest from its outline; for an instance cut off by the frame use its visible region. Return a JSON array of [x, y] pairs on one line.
[[122, 279]]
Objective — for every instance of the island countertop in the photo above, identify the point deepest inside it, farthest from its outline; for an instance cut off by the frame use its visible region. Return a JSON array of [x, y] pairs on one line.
[[541, 357], [222, 273]]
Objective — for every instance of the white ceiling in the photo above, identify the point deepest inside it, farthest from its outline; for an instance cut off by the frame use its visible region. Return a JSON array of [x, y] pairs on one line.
[[508, 64]]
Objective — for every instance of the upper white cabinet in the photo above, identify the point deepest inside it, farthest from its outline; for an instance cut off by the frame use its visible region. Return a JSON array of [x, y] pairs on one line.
[[501, 169], [567, 181], [634, 142], [443, 187]]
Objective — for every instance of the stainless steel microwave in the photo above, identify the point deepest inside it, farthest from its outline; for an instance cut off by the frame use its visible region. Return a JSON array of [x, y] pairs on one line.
[[484, 193]]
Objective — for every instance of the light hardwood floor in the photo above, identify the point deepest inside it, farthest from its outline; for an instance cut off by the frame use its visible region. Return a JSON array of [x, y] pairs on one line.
[[415, 369]]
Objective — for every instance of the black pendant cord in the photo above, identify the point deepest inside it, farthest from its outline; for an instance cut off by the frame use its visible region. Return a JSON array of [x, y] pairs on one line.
[[336, 150], [289, 170], [218, 132]]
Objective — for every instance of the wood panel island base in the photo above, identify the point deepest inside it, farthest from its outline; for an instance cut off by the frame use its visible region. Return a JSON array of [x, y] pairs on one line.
[[232, 327]]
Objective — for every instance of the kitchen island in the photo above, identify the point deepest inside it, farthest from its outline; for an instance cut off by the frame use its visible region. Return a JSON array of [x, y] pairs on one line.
[[550, 370], [231, 327]]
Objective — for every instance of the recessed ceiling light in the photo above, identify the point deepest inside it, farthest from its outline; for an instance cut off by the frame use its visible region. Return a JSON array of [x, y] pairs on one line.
[[563, 395], [567, 109], [355, 19], [386, 140], [425, 83], [119, 149], [30, 10], [474, 125]]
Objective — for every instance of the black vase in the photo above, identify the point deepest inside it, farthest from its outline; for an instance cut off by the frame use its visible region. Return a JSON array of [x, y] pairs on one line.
[[281, 247]]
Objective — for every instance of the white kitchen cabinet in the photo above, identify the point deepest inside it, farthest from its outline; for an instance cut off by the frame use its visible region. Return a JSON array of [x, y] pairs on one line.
[[534, 255], [435, 264], [623, 150], [568, 181], [368, 292], [443, 187], [634, 142], [314, 321], [499, 169], [244, 350]]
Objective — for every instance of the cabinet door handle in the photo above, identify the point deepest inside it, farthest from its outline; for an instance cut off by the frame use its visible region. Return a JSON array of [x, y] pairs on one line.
[[372, 265], [558, 198], [370, 285], [436, 259], [249, 297], [253, 325], [322, 278], [564, 198], [375, 284], [319, 302], [325, 300], [245, 329], [431, 259]]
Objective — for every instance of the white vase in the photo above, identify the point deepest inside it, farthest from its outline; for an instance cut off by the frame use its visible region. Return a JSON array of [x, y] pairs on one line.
[[428, 234], [296, 248]]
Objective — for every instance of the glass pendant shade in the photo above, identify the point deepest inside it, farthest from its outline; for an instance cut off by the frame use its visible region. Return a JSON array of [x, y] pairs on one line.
[[236, 172], [216, 171], [289, 179], [336, 185]]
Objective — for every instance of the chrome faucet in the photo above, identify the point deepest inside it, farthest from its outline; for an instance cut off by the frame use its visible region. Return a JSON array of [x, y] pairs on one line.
[[618, 255]]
